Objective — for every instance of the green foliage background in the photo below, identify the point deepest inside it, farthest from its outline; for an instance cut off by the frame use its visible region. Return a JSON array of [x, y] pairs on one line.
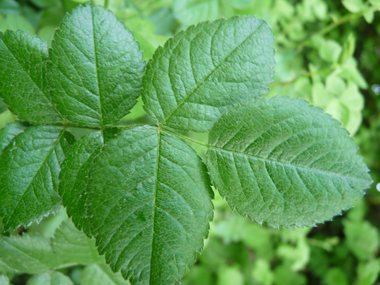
[[328, 53]]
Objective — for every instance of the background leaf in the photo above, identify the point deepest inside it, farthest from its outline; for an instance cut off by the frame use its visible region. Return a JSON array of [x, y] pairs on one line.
[[52, 278], [101, 274]]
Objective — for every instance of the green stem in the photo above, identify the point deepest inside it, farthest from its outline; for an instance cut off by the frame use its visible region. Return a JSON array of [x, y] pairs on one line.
[[329, 28], [106, 2], [164, 129]]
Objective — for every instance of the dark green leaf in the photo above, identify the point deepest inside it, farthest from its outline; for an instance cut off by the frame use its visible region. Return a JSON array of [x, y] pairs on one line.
[[96, 67], [29, 168], [148, 222], [286, 163], [206, 70], [23, 83], [74, 177]]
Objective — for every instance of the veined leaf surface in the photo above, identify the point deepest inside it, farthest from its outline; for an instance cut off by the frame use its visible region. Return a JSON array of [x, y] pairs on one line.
[[285, 163], [207, 69], [148, 222], [96, 67]]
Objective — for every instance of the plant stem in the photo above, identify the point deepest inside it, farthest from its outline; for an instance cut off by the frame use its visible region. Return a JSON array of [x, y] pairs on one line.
[[164, 129], [106, 4], [332, 26]]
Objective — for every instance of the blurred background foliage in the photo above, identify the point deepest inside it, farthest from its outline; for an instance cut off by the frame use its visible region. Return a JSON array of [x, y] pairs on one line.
[[328, 53]]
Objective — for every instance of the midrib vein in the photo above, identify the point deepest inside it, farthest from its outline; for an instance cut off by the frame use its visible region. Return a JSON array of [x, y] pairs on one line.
[[208, 76], [289, 165], [96, 67]]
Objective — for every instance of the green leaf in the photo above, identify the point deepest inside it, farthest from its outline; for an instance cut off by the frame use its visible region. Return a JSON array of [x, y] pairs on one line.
[[96, 67], [369, 16], [100, 274], [27, 254], [285, 163], [191, 12], [230, 275], [74, 177], [143, 31], [330, 51], [149, 223], [354, 6], [335, 276], [362, 238], [16, 22], [9, 7], [29, 168], [23, 84], [202, 72], [74, 246], [43, 4], [4, 280], [8, 133], [375, 2], [368, 272], [51, 278]]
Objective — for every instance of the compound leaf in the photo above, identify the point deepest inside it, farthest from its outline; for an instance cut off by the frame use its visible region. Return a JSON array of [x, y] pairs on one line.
[[285, 163], [149, 223], [74, 246], [29, 168], [101, 274], [23, 84], [51, 278], [28, 254], [74, 177], [204, 71], [96, 67]]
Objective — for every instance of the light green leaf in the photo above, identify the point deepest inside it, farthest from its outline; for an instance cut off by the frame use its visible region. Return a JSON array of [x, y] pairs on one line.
[[369, 16], [368, 272], [23, 72], [143, 31], [362, 238], [51, 278], [330, 51], [74, 177], [96, 67], [16, 22], [354, 5], [351, 72], [262, 272], [202, 72], [6, 117], [74, 246], [230, 275], [4, 280], [8, 133], [190, 12], [27, 254], [375, 2], [149, 223], [285, 163], [101, 274], [29, 168]]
